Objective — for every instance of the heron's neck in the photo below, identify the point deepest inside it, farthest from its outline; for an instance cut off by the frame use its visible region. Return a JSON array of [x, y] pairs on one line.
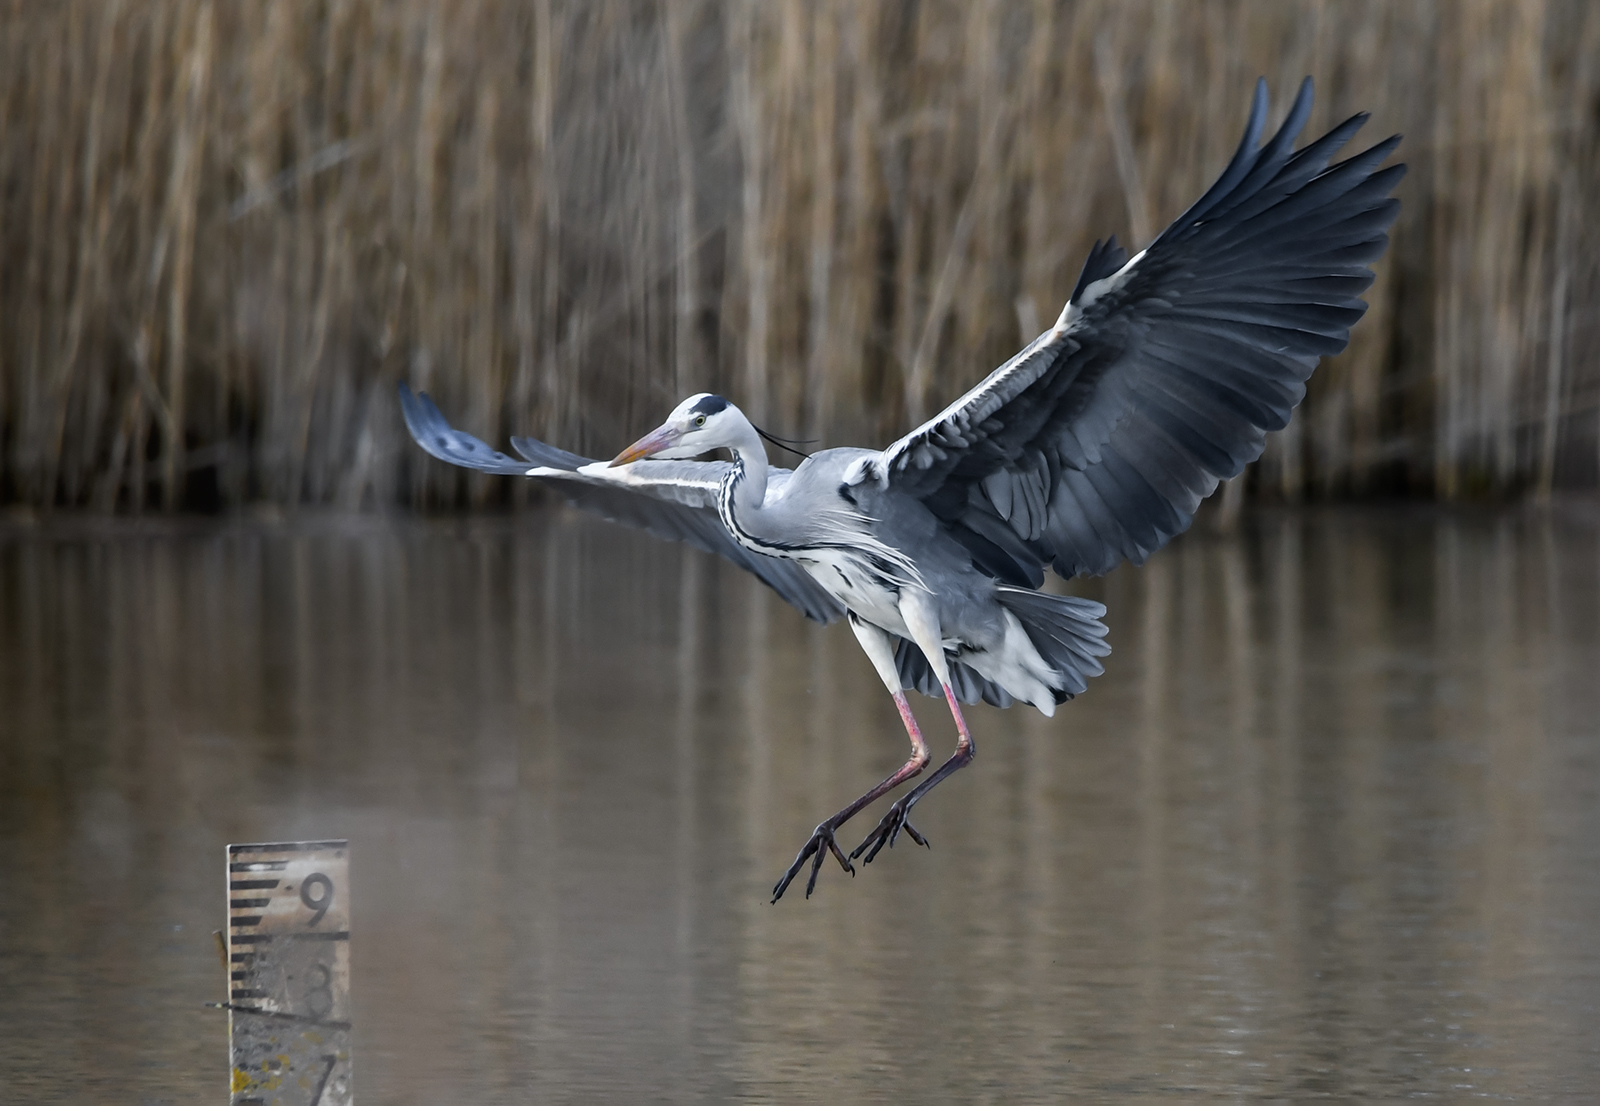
[[750, 487]]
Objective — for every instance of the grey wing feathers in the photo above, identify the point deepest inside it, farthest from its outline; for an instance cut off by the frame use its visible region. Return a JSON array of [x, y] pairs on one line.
[[1163, 376], [547, 456], [670, 499], [700, 527], [439, 438]]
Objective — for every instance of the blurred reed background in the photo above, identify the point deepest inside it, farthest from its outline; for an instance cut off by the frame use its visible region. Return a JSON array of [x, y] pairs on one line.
[[227, 229]]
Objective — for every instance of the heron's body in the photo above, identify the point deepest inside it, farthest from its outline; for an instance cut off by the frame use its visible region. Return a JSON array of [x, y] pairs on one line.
[[1093, 445], [851, 535]]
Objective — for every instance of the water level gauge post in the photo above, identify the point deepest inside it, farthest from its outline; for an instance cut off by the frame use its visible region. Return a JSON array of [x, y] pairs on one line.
[[288, 955]]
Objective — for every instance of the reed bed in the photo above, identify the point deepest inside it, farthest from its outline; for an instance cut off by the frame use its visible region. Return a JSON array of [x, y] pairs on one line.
[[227, 229]]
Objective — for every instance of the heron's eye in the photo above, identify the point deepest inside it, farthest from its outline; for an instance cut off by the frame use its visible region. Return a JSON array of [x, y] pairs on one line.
[[699, 420]]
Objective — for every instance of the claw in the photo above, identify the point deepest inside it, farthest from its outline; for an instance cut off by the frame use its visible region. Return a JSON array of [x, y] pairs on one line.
[[833, 847], [815, 850]]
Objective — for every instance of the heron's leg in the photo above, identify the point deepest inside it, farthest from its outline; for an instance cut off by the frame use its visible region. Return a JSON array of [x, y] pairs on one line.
[[923, 623], [879, 647], [894, 820]]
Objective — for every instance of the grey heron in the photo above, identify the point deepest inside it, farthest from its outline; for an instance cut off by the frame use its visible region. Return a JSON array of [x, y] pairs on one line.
[[1093, 445]]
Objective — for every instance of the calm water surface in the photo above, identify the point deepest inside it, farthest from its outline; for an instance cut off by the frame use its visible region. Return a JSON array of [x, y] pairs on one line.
[[1327, 828]]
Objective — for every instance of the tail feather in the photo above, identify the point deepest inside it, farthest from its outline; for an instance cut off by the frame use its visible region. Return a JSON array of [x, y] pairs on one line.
[[1066, 631], [917, 674]]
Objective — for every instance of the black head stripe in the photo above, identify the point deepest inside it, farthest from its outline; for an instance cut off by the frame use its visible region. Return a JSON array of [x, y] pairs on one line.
[[709, 406]]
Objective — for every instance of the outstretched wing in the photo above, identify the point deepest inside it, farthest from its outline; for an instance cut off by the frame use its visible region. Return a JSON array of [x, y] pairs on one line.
[[1163, 374], [671, 499]]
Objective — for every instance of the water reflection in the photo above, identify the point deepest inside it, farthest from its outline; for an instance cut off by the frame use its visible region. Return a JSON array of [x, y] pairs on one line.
[[1327, 826]]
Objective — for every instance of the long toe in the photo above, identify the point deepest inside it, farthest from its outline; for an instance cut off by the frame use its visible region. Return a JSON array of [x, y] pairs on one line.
[[816, 850], [794, 869], [877, 832], [886, 832]]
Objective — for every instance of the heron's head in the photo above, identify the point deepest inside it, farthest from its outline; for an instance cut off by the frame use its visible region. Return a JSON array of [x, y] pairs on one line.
[[698, 425]]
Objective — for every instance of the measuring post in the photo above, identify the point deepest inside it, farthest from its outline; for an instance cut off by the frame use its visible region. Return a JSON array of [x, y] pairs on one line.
[[289, 973]]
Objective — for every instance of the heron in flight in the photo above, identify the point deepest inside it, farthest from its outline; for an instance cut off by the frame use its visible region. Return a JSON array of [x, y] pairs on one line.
[[1093, 445]]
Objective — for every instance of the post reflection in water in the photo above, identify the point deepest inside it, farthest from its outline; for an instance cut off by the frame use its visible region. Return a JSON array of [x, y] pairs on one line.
[[1327, 826]]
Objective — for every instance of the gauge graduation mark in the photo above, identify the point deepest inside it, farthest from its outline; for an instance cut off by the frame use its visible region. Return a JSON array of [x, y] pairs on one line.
[[289, 973]]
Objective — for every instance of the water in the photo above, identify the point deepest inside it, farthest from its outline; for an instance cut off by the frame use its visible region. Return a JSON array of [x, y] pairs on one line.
[[1327, 827]]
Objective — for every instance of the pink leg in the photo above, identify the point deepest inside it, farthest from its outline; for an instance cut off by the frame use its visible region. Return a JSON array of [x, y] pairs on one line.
[[822, 842], [895, 820]]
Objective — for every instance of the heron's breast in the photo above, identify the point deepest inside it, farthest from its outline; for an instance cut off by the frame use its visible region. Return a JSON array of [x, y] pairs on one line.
[[861, 586]]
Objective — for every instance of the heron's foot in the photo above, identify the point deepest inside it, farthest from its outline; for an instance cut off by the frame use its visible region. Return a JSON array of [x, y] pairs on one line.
[[816, 850], [888, 830]]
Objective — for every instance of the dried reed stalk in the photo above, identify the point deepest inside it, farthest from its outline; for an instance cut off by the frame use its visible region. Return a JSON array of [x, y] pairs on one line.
[[228, 229]]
